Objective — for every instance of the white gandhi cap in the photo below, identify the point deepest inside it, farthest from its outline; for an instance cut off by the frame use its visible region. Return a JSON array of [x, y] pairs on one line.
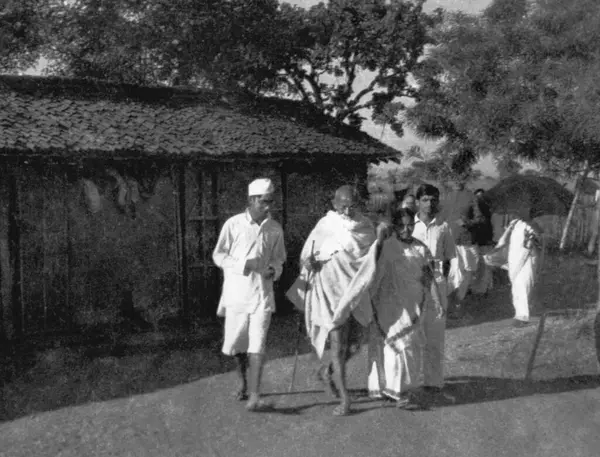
[[260, 186]]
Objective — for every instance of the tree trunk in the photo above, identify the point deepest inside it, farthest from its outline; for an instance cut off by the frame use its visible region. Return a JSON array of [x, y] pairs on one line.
[[578, 188], [597, 320], [596, 222]]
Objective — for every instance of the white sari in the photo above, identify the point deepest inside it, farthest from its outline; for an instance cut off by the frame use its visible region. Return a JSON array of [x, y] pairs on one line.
[[398, 297]]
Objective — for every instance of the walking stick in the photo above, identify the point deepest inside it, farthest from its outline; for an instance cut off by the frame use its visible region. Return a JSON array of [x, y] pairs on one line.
[[299, 326]]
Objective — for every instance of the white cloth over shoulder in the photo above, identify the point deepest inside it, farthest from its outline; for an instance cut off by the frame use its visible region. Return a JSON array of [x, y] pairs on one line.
[[393, 287], [340, 243]]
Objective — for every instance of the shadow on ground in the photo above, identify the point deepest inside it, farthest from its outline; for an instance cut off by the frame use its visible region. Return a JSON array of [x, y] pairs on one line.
[[463, 390], [36, 381], [460, 390]]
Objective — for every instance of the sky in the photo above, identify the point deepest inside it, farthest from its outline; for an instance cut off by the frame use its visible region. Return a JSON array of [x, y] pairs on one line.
[[409, 139]]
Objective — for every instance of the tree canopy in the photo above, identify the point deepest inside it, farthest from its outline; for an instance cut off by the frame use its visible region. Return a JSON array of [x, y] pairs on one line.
[[345, 39], [518, 81], [317, 54]]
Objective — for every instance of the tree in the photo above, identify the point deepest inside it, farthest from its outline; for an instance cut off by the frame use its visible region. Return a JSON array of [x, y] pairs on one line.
[[197, 42], [345, 40], [21, 33], [520, 79], [517, 80], [434, 167], [346, 57]]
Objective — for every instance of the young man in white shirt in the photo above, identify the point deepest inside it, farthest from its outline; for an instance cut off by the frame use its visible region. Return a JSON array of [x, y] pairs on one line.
[[251, 252], [436, 235]]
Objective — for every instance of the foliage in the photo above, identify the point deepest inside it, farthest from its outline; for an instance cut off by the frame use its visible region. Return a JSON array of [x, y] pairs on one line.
[[343, 41], [21, 33], [321, 55], [177, 42], [518, 80], [436, 167]]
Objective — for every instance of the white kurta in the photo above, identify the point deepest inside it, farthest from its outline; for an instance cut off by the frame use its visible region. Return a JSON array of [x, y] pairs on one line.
[[340, 243], [241, 239], [438, 238]]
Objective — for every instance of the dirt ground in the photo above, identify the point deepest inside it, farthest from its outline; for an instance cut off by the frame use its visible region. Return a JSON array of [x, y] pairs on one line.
[[177, 401]]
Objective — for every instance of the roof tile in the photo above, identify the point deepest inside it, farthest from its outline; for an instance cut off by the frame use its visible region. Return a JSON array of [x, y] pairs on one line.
[[75, 116]]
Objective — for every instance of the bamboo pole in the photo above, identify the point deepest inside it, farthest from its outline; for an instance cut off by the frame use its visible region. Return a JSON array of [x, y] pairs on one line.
[[595, 223], [182, 240], [44, 262], [578, 188], [536, 344], [15, 253], [597, 319]]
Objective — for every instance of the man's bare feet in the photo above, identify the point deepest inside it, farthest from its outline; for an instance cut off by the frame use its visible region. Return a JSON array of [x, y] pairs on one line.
[[256, 405], [343, 409], [241, 394]]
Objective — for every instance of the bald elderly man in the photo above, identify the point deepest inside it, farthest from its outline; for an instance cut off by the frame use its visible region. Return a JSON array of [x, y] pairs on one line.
[[329, 260], [251, 252]]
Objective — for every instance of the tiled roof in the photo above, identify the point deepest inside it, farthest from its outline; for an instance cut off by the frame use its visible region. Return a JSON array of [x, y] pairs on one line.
[[88, 118]]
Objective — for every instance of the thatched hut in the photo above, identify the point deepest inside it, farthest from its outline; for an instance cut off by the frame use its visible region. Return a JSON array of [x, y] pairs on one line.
[[112, 195]]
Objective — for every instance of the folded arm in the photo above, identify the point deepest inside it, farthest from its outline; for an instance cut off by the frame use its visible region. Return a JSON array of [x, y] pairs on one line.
[[221, 254]]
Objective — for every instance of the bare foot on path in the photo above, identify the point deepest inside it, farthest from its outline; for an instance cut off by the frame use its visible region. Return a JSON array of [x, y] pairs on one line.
[[343, 409], [256, 405]]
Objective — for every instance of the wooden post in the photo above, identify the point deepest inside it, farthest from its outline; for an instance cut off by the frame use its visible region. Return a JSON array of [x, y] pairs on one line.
[[183, 292], [597, 320], [69, 255], [284, 196], [14, 211], [44, 263], [536, 344], [578, 189], [595, 225], [214, 203]]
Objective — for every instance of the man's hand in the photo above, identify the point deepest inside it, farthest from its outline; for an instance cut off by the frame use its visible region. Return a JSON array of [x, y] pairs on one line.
[[384, 231], [439, 310], [269, 273], [251, 265], [312, 264]]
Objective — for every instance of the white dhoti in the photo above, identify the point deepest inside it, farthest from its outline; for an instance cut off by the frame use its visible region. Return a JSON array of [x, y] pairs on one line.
[[463, 268], [483, 279], [246, 332], [523, 287], [518, 251], [435, 339]]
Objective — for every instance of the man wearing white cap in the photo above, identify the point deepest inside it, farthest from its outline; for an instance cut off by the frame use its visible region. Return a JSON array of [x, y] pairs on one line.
[[251, 252]]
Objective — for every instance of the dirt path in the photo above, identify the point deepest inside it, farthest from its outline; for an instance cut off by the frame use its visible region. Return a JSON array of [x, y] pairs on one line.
[[494, 414]]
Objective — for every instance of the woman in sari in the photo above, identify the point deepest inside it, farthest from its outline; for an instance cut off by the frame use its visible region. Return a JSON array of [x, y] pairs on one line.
[[401, 291]]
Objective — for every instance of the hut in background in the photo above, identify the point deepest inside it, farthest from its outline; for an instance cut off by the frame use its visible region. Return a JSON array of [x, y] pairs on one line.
[[112, 196]]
